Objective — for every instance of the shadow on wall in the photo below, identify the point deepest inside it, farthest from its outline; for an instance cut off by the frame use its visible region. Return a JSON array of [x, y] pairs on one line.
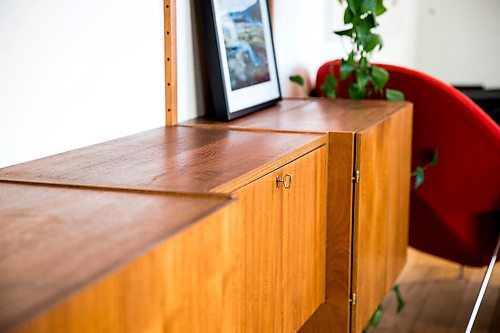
[[202, 82]]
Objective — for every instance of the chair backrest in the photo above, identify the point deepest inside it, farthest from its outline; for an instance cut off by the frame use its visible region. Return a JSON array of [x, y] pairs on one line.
[[467, 179]]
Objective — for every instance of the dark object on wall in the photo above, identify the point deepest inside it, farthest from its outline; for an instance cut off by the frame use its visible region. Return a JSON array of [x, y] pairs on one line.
[[240, 56], [488, 100]]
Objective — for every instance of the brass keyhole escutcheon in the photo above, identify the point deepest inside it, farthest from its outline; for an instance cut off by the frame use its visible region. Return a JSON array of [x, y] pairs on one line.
[[286, 181]]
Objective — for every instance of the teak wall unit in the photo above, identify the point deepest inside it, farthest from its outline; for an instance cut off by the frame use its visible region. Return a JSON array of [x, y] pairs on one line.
[[369, 156], [173, 226], [319, 255], [255, 265]]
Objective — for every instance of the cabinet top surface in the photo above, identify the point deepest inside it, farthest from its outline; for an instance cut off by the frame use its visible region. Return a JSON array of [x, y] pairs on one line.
[[318, 115], [178, 159], [49, 234]]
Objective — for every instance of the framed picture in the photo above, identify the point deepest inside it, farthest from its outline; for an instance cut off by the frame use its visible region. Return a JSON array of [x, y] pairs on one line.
[[240, 56]]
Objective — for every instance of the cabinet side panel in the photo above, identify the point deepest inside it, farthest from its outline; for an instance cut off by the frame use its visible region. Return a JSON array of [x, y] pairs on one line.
[[339, 227], [399, 166], [334, 314], [176, 287]]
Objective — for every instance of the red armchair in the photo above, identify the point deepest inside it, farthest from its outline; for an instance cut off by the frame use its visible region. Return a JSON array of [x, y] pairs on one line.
[[455, 213]]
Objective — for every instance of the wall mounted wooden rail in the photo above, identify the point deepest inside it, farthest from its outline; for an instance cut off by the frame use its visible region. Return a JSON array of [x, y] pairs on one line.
[[170, 37]]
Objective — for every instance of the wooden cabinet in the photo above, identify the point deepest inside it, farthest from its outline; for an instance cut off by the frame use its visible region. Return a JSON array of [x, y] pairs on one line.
[[369, 155], [314, 239], [87, 260], [257, 265]]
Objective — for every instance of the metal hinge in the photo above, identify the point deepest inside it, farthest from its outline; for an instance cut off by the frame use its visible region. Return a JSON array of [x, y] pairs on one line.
[[356, 177], [353, 299]]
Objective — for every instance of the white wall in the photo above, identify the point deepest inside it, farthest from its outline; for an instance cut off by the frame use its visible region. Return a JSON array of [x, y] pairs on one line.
[[74, 73], [459, 41]]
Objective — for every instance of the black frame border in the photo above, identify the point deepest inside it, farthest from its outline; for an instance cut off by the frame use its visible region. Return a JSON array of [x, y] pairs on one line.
[[216, 71]]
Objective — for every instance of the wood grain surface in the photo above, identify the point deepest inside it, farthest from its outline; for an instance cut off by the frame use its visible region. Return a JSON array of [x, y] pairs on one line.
[[256, 266], [271, 259], [304, 238], [334, 314], [399, 170], [316, 116], [55, 241], [380, 234], [176, 287], [277, 244], [343, 119], [339, 228], [174, 158]]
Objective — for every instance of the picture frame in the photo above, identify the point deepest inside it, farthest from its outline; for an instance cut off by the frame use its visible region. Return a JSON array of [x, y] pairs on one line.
[[240, 56]]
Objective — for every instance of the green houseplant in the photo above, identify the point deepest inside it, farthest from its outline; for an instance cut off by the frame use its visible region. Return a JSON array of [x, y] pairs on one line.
[[360, 17]]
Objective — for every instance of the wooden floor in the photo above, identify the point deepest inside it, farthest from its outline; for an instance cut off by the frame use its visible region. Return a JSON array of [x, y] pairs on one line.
[[438, 301]]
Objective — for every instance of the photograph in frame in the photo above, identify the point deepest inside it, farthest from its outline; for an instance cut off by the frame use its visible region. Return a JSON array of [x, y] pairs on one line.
[[240, 56]]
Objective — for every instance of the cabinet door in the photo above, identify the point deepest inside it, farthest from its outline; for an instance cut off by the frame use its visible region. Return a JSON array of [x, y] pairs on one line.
[[380, 234], [304, 239], [275, 243]]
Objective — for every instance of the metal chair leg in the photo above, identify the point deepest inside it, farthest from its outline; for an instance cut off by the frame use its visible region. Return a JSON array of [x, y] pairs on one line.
[[486, 280]]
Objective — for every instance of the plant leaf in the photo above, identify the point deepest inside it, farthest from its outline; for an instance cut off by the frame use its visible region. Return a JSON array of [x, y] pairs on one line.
[[347, 16], [380, 77], [297, 79], [377, 316], [371, 41], [380, 8], [370, 21], [362, 78], [330, 86], [419, 177], [357, 92], [363, 27], [355, 6], [399, 298], [363, 62], [347, 32], [435, 158], [368, 6], [394, 95], [347, 67]]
